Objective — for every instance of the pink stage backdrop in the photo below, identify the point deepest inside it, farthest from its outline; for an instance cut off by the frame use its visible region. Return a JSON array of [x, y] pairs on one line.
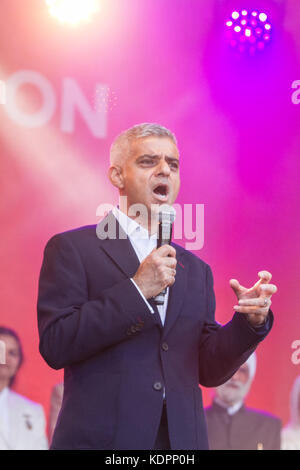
[[69, 90]]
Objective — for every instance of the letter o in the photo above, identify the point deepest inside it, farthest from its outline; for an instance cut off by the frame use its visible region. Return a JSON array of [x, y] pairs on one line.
[[42, 116]]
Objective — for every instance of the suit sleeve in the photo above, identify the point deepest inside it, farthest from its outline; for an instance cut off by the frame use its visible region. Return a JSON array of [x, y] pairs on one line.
[[223, 349], [72, 328]]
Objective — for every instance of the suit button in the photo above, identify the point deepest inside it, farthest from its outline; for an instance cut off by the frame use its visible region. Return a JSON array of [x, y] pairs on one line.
[[157, 386], [165, 346]]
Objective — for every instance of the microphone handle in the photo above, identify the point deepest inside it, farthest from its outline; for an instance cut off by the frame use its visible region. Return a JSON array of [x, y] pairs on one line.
[[164, 238]]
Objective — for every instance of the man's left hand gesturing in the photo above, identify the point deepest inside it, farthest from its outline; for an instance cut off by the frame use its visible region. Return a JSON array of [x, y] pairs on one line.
[[256, 301]]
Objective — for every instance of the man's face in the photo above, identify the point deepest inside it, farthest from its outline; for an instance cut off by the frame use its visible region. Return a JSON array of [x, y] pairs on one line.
[[151, 172], [236, 388], [12, 358]]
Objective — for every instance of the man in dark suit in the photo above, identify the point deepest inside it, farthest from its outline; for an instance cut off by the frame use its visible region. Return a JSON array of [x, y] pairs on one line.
[[132, 368], [232, 425]]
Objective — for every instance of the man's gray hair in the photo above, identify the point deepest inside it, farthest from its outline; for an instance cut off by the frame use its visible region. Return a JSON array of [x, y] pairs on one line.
[[121, 145]]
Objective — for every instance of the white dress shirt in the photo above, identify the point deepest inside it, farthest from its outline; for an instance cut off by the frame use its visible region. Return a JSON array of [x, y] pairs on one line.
[[3, 417], [231, 410], [142, 244], [22, 423]]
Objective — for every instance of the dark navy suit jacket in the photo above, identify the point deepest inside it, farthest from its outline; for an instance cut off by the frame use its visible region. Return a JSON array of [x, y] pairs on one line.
[[118, 358]]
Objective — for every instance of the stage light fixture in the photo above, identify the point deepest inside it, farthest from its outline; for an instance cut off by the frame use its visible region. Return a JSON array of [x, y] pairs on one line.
[[244, 30], [73, 11]]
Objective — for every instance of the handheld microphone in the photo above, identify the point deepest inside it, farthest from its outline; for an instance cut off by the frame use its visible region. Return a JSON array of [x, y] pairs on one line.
[[166, 217]]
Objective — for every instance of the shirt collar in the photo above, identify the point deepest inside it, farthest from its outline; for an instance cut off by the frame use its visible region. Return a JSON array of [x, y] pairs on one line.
[[131, 227], [3, 395], [231, 410]]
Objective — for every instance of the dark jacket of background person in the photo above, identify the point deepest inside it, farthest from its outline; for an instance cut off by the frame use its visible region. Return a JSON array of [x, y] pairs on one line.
[[247, 429]]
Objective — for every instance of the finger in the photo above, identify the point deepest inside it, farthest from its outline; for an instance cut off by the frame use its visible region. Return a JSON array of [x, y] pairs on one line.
[[264, 276], [170, 262], [236, 286], [166, 250], [251, 310], [170, 277], [173, 272], [258, 302], [267, 289]]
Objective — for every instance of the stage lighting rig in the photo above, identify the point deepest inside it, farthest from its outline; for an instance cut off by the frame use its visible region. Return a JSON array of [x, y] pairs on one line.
[[248, 30]]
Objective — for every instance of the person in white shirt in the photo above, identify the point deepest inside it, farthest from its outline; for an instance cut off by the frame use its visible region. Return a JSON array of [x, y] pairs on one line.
[[22, 421], [290, 438]]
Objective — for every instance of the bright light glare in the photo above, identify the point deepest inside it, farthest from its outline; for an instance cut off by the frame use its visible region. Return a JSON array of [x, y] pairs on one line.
[[235, 15], [73, 11], [262, 17]]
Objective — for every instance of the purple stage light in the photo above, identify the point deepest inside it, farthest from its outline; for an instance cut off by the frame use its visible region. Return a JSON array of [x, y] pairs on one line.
[[245, 30]]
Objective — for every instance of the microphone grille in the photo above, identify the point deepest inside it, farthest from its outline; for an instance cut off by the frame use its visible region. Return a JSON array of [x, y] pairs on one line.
[[166, 213]]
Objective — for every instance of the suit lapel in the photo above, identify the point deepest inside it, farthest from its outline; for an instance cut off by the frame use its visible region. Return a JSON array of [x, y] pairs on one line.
[[119, 248], [117, 245], [176, 293]]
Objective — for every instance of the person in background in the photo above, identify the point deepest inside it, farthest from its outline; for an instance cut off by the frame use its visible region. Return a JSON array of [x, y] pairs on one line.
[[290, 438], [55, 406], [232, 425], [22, 422]]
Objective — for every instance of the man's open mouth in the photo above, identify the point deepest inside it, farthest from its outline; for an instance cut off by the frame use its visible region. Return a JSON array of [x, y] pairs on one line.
[[161, 191]]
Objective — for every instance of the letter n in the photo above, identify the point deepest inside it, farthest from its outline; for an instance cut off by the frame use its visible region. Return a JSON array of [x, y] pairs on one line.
[[72, 99]]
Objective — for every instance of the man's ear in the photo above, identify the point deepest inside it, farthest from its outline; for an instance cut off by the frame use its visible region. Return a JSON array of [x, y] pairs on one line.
[[115, 175]]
